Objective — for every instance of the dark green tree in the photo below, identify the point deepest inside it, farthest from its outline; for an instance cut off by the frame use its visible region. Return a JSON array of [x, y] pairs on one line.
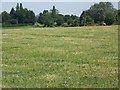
[[6, 17], [54, 11], [74, 17], [30, 17], [21, 7], [17, 7], [99, 11], [17, 14], [59, 19], [89, 20], [117, 13], [66, 18], [75, 22], [20, 14], [48, 20], [83, 19], [45, 12], [24, 15], [70, 21], [110, 19], [13, 16], [12, 12], [40, 18]]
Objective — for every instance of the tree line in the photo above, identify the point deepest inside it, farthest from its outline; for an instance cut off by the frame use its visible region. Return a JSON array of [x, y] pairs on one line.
[[102, 13]]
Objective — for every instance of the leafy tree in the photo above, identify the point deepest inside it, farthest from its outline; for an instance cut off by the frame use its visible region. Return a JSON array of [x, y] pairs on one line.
[[17, 7], [99, 11], [13, 17], [23, 15], [48, 20], [86, 19], [40, 18], [25, 10], [75, 23], [54, 11], [13, 21], [5, 17], [110, 19], [89, 20], [18, 14], [45, 18], [59, 19], [30, 17], [100, 16], [45, 12], [83, 18], [56, 19], [21, 7], [118, 16], [69, 22], [66, 18], [74, 17], [12, 12]]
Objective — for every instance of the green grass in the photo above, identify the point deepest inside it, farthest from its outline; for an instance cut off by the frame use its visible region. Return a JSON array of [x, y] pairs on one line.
[[61, 57]]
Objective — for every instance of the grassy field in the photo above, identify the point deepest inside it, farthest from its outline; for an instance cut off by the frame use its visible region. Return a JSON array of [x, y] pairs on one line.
[[71, 57]]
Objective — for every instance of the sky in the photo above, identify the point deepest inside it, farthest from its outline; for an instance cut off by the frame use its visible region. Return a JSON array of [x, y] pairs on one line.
[[64, 8]]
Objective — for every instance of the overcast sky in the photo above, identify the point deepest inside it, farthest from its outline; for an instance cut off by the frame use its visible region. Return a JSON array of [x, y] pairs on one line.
[[74, 8]]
